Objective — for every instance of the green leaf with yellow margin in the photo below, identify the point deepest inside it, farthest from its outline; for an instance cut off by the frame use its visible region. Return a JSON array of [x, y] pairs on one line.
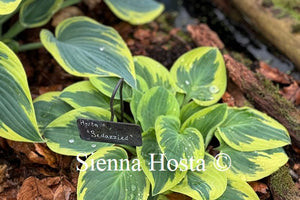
[[252, 165], [134, 103], [83, 47], [8, 6], [48, 107], [35, 13], [150, 73], [17, 117], [203, 185], [106, 85], [135, 11], [238, 190], [158, 197], [179, 145], [62, 134], [201, 75], [188, 110], [246, 129], [180, 98], [101, 177], [84, 94], [160, 177], [207, 120], [155, 102]]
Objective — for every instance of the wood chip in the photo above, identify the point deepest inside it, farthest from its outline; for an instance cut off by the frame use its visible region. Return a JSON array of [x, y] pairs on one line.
[[259, 187], [292, 93], [33, 188], [202, 35], [273, 74]]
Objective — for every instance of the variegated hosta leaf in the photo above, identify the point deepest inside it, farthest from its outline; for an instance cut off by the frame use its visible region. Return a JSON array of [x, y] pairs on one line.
[[48, 107], [101, 177], [35, 13], [179, 145], [84, 94], [155, 165], [238, 190], [150, 73], [8, 6], [188, 110], [180, 98], [207, 120], [136, 97], [201, 74], [158, 197], [155, 102], [252, 165], [246, 129], [106, 85], [63, 136], [135, 11], [17, 117], [83, 47], [203, 185]]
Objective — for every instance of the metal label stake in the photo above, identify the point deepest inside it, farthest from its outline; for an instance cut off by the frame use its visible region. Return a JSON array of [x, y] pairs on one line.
[[110, 131]]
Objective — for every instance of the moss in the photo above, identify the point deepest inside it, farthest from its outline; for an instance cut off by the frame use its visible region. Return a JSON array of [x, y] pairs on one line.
[[287, 3], [282, 184], [267, 3], [285, 105], [241, 58], [289, 7], [166, 21], [270, 94], [184, 36], [296, 28]]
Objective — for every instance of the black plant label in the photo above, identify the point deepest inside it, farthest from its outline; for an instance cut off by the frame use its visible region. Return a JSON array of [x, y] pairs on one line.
[[110, 132]]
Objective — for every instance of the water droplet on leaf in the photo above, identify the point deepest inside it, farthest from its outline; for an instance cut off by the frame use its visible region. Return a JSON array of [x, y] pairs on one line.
[[133, 188], [71, 141], [101, 48], [214, 89], [93, 145], [187, 82]]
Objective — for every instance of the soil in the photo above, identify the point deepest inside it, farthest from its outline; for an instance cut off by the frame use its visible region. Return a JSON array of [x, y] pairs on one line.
[[32, 171]]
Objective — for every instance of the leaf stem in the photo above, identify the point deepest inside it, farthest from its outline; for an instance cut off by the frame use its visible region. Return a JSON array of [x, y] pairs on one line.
[[4, 18], [30, 46], [13, 31], [186, 100], [129, 148], [68, 3], [126, 117]]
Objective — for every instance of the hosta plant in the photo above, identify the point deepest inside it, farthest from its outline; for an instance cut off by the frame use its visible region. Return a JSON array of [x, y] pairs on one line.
[[32, 13], [178, 111], [36, 13]]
